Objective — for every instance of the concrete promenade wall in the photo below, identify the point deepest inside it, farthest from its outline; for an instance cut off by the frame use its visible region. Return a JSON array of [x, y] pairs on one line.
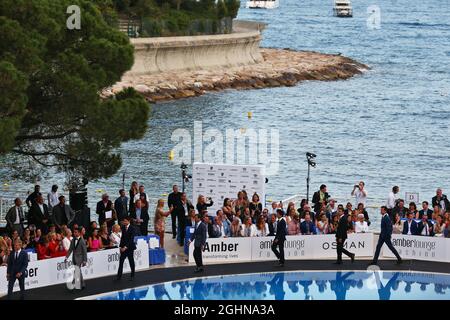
[[160, 54]]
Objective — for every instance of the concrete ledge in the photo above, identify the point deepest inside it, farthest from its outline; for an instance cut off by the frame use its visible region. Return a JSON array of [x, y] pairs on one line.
[[161, 54]]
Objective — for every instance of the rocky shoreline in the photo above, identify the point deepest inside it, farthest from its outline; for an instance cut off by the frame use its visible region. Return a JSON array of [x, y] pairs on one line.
[[281, 67]]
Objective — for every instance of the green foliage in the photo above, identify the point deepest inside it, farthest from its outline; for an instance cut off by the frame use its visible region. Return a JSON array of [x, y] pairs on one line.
[[51, 114], [221, 9], [232, 7]]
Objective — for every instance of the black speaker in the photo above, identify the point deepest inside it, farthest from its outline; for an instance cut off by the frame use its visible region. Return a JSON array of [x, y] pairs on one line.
[[78, 200], [83, 218]]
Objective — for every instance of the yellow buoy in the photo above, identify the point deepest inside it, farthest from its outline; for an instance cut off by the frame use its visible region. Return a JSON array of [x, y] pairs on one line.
[[171, 155], [164, 195], [249, 114]]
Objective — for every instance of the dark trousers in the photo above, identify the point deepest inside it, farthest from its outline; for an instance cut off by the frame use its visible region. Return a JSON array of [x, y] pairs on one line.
[[143, 228], [280, 253], [126, 254], [21, 286], [341, 250], [388, 242], [198, 257], [173, 216], [182, 230]]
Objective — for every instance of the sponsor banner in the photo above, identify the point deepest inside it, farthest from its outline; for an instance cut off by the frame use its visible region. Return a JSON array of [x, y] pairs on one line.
[[419, 248], [312, 246], [55, 271], [224, 249], [220, 181]]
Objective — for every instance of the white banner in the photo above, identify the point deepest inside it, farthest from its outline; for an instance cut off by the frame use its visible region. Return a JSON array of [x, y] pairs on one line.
[[312, 246], [419, 248], [55, 271], [295, 248], [220, 181], [224, 249]]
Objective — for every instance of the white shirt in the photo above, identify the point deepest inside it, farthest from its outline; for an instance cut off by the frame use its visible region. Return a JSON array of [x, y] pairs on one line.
[[264, 232], [138, 196], [426, 229], [391, 200], [360, 197], [17, 253], [115, 238], [52, 198], [41, 206], [361, 227], [17, 216], [66, 243], [409, 227], [248, 233]]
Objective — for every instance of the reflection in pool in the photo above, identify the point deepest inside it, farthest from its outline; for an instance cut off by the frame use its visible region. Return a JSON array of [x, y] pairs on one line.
[[308, 285]]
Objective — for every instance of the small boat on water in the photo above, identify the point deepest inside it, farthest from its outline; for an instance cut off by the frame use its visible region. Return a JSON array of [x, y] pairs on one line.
[[343, 8], [262, 4]]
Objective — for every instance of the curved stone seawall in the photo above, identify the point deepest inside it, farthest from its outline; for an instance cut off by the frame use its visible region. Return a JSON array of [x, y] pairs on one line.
[[162, 54]]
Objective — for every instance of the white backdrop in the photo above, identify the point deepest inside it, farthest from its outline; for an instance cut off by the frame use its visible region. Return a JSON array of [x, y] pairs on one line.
[[296, 247], [419, 248], [55, 271], [220, 181]]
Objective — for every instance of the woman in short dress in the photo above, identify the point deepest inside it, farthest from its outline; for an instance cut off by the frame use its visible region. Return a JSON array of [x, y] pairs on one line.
[[160, 220]]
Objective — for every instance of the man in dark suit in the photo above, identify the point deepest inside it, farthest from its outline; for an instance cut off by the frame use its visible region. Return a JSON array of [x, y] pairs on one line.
[[308, 227], [121, 205], [33, 196], [127, 247], [425, 227], [62, 214], [425, 210], [15, 218], [103, 206], [39, 215], [199, 238], [440, 200], [280, 237], [16, 270], [410, 226], [182, 211], [319, 198], [400, 209], [174, 200], [341, 236], [385, 237]]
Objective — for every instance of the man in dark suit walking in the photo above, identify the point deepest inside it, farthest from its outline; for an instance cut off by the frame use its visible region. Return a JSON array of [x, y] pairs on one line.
[[341, 236], [280, 237], [385, 237], [182, 211], [127, 247], [199, 238], [174, 200], [16, 270]]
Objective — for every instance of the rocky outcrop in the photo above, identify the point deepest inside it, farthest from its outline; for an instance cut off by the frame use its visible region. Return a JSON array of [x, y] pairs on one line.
[[279, 67]]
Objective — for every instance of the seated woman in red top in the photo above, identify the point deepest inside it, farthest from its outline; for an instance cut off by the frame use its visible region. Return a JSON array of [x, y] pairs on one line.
[[52, 245], [94, 241], [42, 249], [60, 251]]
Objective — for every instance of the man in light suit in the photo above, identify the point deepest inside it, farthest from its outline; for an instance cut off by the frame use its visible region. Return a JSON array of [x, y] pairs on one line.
[[280, 238], [16, 270], [62, 214], [15, 218], [199, 238], [385, 237], [78, 249]]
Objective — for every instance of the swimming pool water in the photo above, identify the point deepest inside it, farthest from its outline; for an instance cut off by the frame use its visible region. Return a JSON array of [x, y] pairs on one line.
[[305, 285]]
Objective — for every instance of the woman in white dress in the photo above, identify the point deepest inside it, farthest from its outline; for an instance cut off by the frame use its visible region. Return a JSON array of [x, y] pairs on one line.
[[262, 228]]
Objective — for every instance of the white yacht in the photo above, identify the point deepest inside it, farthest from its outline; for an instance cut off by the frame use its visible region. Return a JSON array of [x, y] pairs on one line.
[[343, 8], [262, 4]]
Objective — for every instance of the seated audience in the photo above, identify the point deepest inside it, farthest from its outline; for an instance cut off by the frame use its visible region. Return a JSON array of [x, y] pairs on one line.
[[323, 224], [115, 236], [94, 242], [293, 224], [397, 224], [308, 227], [410, 225], [262, 228], [361, 225], [248, 228], [425, 227]]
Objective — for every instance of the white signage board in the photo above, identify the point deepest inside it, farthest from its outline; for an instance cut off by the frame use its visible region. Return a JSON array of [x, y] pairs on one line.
[[220, 181], [411, 197], [224, 249], [419, 248], [55, 271]]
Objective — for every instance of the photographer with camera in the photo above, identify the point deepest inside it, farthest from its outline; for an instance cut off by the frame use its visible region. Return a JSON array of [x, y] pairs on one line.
[[359, 193], [202, 205]]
